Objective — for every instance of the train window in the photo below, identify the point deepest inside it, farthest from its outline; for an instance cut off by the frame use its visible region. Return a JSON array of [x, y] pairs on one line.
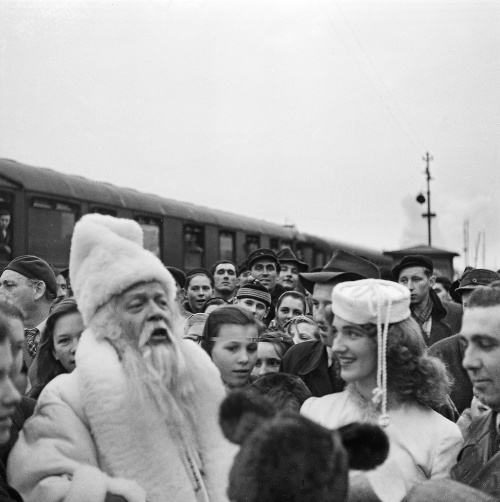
[[151, 229], [6, 226], [274, 244], [226, 246], [252, 243], [319, 259], [50, 227], [194, 246], [103, 210]]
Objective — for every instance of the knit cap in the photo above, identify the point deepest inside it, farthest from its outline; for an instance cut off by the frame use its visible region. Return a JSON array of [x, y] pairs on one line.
[[254, 289], [378, 302]]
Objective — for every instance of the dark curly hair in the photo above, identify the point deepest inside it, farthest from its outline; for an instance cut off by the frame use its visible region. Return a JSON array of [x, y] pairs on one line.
[[412, 375]]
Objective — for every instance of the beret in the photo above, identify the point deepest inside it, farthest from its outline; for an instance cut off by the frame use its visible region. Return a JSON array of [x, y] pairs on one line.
[[199, 271], [33, 267]]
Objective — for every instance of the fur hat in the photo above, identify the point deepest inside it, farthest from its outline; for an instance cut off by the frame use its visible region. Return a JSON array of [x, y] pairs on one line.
[[287, 457], [107, 257]]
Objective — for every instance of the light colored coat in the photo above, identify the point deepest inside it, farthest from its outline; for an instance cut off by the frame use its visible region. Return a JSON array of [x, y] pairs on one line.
[[81, 443], [423, 444]]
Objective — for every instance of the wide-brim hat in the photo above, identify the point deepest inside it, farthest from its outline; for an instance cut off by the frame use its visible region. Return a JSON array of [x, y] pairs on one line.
[[342, 266], [475, 278], [286, 255]]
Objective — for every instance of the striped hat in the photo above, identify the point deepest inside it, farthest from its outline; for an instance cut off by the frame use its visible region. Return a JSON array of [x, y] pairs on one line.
[[254, 289]]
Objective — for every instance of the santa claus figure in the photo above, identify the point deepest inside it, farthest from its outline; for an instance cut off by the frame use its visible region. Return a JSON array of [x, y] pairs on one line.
[[137, 420]]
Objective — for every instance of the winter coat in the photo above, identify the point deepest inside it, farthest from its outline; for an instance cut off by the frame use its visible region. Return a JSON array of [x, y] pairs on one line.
[[478, 462], [84, 440]]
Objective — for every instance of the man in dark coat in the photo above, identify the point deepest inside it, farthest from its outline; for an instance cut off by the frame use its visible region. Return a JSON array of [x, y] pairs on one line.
[[451, 351], [478, 462], [416, 273], [313, 361]]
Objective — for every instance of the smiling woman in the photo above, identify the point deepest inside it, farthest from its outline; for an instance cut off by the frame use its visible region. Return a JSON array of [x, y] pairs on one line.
[[230, 338], [382, 357]]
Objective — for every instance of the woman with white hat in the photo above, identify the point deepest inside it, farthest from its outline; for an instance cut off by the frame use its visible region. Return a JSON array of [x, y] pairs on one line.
[[390, 380]]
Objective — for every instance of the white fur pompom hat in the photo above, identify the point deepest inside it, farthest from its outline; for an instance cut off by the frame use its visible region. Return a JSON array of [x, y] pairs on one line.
[[378, 302], [107, 257]]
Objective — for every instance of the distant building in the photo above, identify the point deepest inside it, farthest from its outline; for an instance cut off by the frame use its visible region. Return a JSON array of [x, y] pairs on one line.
[[443, 260]]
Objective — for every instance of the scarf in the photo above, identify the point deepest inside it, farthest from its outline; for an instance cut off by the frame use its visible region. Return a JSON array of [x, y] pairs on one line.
[[422, 311]]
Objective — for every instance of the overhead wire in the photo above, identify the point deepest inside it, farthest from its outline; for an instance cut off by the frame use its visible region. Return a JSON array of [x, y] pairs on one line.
[[414, 138]]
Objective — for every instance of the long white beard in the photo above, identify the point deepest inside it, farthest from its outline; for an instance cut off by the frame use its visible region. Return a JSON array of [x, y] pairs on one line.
[[157, 374]]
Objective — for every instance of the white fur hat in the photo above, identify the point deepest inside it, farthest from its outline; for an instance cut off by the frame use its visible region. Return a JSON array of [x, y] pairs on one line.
[[107, 257], [377, 302], [370, 300]]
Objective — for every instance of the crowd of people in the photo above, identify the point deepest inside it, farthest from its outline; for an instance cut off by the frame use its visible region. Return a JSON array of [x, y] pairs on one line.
[[113, 373]]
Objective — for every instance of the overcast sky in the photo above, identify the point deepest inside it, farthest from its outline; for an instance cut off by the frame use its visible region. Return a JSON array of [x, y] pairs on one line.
[[316, 113]]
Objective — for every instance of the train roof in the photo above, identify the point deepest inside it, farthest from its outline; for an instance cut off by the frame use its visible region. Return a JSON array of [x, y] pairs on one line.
[[49, 182]]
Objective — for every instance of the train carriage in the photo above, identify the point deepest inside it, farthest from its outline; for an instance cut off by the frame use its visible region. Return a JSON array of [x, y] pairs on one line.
[[44, 206]]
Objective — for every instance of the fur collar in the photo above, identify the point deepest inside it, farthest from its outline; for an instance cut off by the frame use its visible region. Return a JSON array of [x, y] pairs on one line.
[[133, 445]]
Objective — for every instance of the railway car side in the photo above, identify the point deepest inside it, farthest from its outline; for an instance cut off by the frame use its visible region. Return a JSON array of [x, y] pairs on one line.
[[44, 206]]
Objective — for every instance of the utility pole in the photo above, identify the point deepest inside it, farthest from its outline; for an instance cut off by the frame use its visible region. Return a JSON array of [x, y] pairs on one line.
[[428, 214]]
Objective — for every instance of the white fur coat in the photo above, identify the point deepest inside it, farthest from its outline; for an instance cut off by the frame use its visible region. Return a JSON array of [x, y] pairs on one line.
[[80, 443]]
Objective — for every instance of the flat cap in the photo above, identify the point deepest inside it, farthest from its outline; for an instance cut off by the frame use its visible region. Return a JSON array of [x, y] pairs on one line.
[[412, 260], [477, 277], [261, 254]]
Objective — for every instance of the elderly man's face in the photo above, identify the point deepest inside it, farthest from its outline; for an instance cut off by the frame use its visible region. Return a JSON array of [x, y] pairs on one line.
[[480, 335], [18, 289], [143, 311]]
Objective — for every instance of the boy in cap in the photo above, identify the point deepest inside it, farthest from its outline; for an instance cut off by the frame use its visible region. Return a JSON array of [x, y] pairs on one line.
[[416, 273], [30, 283], [254, 297], [263, 265], [291, 266]]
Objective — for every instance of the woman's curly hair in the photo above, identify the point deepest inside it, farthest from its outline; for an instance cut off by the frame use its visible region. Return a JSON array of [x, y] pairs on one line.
[[411, 373]]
